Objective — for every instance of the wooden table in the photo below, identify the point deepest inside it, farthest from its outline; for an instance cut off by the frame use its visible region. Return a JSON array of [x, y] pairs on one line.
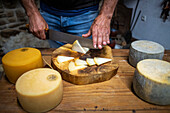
[[112, 96]]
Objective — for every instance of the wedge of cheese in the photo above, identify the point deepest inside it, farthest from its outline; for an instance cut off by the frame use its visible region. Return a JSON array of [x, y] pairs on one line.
[[77, 47], [151, 81], [90, 61], [39, 90], [99, 60], [80, 62], [61, 59], [73, 67], [18, 61], [86, 49], [143, 49]]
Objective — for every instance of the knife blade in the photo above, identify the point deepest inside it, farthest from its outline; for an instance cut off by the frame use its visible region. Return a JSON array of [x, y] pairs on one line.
[[69, 38]]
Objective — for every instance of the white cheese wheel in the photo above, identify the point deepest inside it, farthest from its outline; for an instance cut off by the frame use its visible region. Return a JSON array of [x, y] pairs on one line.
[[18, 61], [151, 81], [144, 49], [39, 90]]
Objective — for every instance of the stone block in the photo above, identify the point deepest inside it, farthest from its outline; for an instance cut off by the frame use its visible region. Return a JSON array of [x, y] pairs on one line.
[[9, 32], [10, 13], [20, 13], [3, 27], [10, 4], [13, 25], [23, 28], [1, 10], [3, 22], [2, 15], [12, 19], [22, 19], [1, 4]]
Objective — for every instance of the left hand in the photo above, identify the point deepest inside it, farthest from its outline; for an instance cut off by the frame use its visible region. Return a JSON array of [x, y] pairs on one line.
[[100, 31]]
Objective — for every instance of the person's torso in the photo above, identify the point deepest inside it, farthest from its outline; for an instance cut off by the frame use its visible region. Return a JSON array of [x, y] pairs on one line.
[[71, 4]]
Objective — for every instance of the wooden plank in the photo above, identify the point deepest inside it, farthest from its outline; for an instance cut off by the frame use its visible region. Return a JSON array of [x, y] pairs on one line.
[[112, 96]]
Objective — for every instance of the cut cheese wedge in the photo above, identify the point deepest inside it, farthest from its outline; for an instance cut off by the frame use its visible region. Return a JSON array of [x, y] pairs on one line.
[[39, 90], [77, 47], [86, 49], [99, 60], [61, 59], [18, 61], [90, 61], [151, 81], [80, 62], [73, 67], [143, 49]]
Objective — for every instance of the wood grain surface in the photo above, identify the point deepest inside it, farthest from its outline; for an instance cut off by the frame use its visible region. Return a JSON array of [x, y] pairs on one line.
[[112, 96], [90, 74]]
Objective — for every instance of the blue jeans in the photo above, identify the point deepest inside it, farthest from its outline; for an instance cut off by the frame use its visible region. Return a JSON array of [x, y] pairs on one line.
[[76, 25]]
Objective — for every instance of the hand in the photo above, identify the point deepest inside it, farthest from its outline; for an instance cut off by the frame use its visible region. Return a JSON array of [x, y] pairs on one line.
[[100, 31], [37, 25]]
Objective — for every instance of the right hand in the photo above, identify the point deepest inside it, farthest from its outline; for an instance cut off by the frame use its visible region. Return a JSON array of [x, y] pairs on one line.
[[37, 25]]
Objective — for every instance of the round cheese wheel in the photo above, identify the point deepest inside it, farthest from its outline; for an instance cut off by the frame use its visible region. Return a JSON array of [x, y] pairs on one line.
[[144, 49], [39, 90], [151, 81], [18, 61]]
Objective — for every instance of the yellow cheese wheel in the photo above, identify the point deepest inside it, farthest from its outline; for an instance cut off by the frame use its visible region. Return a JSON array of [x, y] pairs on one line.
[[39, 90], [151, 81], [18, 61]]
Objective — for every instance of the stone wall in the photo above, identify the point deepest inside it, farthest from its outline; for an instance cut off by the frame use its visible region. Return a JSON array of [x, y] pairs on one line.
[[12, 18], [12, 22]]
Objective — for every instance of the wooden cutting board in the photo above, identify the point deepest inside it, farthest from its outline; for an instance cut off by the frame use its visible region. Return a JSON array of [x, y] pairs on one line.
[[90, 74]]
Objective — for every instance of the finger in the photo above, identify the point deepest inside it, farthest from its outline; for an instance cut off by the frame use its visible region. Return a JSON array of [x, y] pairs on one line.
[[104, 36], [94, 35], [36, 33], [104, 39], [42, 34], [87, 34], [107, 38], [99, 39], [47, 26]]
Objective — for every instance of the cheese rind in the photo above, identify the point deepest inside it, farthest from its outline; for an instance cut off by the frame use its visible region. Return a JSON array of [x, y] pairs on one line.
[[151, 81], [39, 90], [18, 61], [144, 49]]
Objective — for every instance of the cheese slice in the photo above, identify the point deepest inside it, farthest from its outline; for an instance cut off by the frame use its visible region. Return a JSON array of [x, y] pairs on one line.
[[77, 47], [151, 81], [90, 61], [39, 90], [73, 67], [18, 61], [61, 59], [99, 60], [143, 49], [80, 62]]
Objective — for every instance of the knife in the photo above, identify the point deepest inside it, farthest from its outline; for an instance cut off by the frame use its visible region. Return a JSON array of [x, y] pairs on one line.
[[69, 38]]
